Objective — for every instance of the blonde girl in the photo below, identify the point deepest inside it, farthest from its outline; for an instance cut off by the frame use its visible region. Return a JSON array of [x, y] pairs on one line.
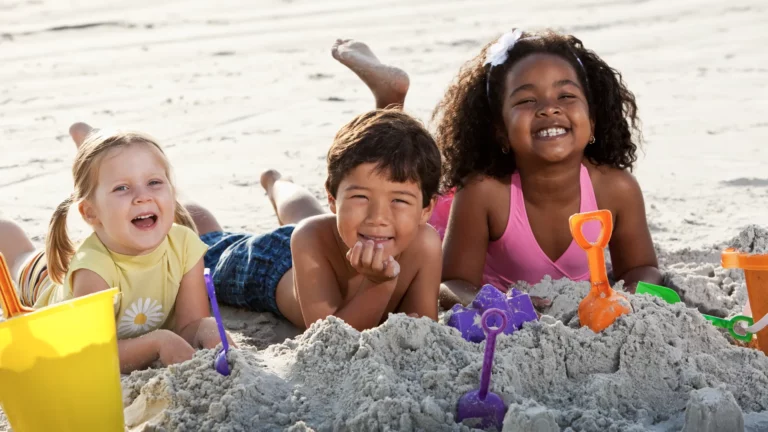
[[143, 242]]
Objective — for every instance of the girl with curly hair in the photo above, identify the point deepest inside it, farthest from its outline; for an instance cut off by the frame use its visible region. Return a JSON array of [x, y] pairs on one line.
[[535, 129]]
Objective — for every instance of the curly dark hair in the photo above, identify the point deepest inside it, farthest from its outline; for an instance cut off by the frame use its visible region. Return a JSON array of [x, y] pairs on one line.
[[468, 113]]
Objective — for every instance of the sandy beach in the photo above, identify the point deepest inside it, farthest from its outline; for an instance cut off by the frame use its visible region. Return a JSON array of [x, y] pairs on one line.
[[233, 88]]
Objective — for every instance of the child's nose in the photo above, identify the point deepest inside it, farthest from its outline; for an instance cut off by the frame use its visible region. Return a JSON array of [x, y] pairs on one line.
[[549, 108], [378, 212], [142, 196]]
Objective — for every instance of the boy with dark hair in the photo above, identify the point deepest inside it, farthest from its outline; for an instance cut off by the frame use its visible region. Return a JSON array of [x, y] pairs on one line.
[[373, 255]]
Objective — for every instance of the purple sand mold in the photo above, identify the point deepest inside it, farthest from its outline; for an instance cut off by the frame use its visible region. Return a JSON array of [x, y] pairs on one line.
[[517, 307]]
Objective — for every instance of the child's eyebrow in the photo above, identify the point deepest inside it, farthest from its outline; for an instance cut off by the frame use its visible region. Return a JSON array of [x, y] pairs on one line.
[[363, 188], [128, 178], [521, 88], [559, 83], [566, 82], [356, 187], [405, 192]]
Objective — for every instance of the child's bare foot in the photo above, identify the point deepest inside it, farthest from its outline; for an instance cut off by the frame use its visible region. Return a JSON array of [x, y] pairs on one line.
[[268, 179], [388, 83], [292, 203], [79, 131]]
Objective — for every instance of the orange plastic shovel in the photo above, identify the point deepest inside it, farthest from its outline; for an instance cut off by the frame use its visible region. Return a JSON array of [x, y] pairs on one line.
[[600, 308], [10, 301]]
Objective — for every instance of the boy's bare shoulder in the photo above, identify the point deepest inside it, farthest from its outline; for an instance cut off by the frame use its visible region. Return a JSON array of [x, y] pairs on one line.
[[426, 246], [315, 231]]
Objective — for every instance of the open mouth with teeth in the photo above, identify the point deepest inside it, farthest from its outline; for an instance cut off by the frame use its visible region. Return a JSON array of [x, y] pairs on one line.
[[551, 132], [375, 239], [145, 221]]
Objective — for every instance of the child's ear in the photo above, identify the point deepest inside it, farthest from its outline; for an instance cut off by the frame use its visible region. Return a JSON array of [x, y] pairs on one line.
[[426, 212], [88, 212], [331, 201]]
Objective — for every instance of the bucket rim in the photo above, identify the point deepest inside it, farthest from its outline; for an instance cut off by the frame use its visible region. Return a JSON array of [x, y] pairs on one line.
[[731, 258], [59, 307]]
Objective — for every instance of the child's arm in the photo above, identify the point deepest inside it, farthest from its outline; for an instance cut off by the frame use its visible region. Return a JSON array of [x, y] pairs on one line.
[[140, 352], [164, 345], [318, 290], [631, 246], [193, 321], [465, 244], [421, 297]]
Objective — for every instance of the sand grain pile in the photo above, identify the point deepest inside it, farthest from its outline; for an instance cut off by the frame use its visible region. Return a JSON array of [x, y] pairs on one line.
[[752, 240], [408, 375]]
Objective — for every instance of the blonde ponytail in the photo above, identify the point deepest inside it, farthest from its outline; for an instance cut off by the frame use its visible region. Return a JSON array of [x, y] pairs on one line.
[[59, 249], [182, 217]]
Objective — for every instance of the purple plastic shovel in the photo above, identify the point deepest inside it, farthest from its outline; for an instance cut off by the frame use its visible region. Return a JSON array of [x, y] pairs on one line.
[[485, 407], [221, 365]]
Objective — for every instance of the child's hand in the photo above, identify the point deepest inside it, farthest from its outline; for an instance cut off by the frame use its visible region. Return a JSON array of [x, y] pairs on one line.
[[208, 334], [368, 259], [172, 348]]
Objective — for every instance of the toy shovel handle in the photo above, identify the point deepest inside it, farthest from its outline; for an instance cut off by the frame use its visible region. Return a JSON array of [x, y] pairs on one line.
[[215, 306], [10, 300], [595, 256], [733, 324], [490, 347], [578, 220], [729, 325]]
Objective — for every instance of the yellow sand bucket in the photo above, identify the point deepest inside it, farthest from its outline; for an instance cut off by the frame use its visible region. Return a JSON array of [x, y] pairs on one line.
[[59, 367]]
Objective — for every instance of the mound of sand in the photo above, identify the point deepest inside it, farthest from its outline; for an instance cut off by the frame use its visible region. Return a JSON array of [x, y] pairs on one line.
[[752, 240], [662, 368]]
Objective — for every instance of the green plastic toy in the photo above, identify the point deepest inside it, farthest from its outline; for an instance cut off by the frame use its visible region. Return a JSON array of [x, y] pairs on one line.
[[733, 324]]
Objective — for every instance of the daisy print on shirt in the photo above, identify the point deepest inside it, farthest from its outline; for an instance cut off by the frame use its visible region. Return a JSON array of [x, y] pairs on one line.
[[143, 316]]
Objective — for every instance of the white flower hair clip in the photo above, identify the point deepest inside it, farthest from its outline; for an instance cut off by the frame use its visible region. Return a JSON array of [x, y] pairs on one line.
[[499, 52]]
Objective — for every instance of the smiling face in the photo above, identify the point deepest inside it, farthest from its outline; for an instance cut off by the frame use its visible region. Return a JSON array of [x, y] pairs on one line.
[[132, 207], [371, 207], [545, 111]]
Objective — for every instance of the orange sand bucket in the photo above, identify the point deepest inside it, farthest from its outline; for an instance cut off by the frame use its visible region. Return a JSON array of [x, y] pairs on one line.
[[600, 308], [59, 367], [756, 274]]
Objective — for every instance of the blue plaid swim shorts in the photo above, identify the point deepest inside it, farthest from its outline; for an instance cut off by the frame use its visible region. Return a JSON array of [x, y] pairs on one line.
[[247, 267]]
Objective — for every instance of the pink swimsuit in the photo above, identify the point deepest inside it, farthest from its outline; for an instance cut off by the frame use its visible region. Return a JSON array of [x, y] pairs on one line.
[[517, 256]]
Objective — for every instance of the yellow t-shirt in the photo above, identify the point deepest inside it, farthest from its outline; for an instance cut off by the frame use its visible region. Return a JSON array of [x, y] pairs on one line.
[[148, 284]]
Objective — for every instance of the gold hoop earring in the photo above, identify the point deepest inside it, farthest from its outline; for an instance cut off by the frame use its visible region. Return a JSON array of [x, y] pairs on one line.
[[592, 140]]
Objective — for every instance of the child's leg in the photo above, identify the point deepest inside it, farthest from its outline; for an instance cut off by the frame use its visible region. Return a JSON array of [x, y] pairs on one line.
[[204, 220], [14, 245], [292, 203], [388, 84]]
